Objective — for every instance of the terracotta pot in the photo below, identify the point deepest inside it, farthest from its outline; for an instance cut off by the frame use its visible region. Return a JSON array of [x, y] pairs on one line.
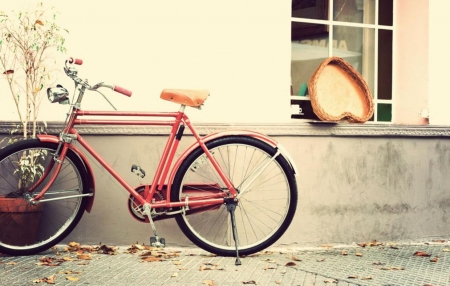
[[19, 221]]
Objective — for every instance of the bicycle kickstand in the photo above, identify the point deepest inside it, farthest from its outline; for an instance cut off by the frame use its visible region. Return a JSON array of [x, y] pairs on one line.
[[231, 207]]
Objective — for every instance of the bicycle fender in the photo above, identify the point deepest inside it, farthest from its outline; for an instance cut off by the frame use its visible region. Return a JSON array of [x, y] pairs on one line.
[[90, 173], [216, 135]]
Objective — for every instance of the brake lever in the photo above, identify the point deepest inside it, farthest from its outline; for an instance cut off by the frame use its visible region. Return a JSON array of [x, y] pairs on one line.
[[104, 97]]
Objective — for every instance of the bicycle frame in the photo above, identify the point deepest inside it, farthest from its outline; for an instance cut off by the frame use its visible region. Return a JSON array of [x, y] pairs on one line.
[[177, 121], [180, 119]]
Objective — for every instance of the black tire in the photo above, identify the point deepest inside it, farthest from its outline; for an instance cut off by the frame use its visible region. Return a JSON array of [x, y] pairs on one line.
[[49, 222], [263, 213]]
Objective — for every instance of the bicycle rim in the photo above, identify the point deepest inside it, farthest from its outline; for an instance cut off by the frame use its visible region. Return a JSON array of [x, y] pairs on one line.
[[27, 228], [264, 211]]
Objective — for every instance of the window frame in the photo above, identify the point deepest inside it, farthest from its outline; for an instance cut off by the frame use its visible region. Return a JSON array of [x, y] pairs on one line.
[[332, 23]]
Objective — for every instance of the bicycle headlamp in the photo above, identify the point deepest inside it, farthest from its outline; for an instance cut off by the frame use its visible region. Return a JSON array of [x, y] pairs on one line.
[[58, 94]]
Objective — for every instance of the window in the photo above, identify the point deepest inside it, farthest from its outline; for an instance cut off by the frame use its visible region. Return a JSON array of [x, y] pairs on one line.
[[359, 31]]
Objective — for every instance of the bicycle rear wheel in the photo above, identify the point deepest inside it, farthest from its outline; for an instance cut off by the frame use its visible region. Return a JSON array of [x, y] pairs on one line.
[[26, 228], [264, 211]]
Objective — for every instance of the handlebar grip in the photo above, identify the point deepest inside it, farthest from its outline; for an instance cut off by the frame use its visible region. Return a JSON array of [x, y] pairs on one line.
[[122, 90], [75, 61]]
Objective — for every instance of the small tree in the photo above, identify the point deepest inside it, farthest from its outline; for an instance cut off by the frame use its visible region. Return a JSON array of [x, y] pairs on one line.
[[28, 41]]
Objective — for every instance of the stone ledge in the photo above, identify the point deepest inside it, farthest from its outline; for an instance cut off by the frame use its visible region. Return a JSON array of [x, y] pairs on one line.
[[288, 129]]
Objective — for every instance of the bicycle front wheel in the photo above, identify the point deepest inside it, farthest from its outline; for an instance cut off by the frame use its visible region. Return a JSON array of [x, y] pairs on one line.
[[264, 211], [27, 228]]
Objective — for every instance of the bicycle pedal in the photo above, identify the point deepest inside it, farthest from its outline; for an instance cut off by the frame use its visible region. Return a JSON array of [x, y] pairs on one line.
[[138, 171], [157, 242]]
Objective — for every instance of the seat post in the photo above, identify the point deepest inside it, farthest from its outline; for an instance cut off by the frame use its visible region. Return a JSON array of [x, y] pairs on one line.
[[182, 107]]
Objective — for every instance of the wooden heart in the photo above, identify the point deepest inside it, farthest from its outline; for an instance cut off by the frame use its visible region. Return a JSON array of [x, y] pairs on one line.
[[338, 92]]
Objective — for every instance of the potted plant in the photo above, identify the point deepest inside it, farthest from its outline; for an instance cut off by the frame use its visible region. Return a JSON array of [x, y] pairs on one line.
[[28, 42]]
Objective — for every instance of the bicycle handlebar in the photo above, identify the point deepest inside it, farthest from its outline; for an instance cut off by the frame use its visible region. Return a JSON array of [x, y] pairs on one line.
[[73, 74], [75, 61], [122, 90]]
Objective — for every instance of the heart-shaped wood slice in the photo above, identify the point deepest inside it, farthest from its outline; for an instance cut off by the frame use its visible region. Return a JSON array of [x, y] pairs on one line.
[[338, 92]]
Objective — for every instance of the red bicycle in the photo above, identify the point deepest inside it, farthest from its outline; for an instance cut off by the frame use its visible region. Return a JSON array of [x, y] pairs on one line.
[[230, 192]]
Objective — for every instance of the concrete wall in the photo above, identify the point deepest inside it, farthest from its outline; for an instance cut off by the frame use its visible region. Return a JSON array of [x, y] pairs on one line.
[[351, 189]]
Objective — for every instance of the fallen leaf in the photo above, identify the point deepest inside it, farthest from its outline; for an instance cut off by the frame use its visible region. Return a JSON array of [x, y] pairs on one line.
[[203, 268], [436, 259], [358, 254], [8, 72], [439, 240], [84, 256], [327, 246], [66, 272], [151, 259], [344, 253], [367, 278], [391, 268], [373, 243], [104, 249], [352, 277], [11, 263], [39, 22], [175, 274], [50, 279], [421, 253], [295, 258], [209, 282], [72, 278], [253, 282], [74, 244], [290, 264], [446, 250], [378, 263], [329, 280], [177, 262], [269, 267]]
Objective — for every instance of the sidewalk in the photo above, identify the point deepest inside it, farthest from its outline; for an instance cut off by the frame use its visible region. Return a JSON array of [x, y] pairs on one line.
[[374, 264]]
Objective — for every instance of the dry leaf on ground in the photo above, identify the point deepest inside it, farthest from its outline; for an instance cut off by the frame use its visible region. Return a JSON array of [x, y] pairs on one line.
[[290, 264], [252, 282], [269, 267], [72, 278], [436, 259], [87, 256], [421, 253], [209, 282], [295, 258], [391, 268], [373, 243], [48, 280], [151, 259]]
